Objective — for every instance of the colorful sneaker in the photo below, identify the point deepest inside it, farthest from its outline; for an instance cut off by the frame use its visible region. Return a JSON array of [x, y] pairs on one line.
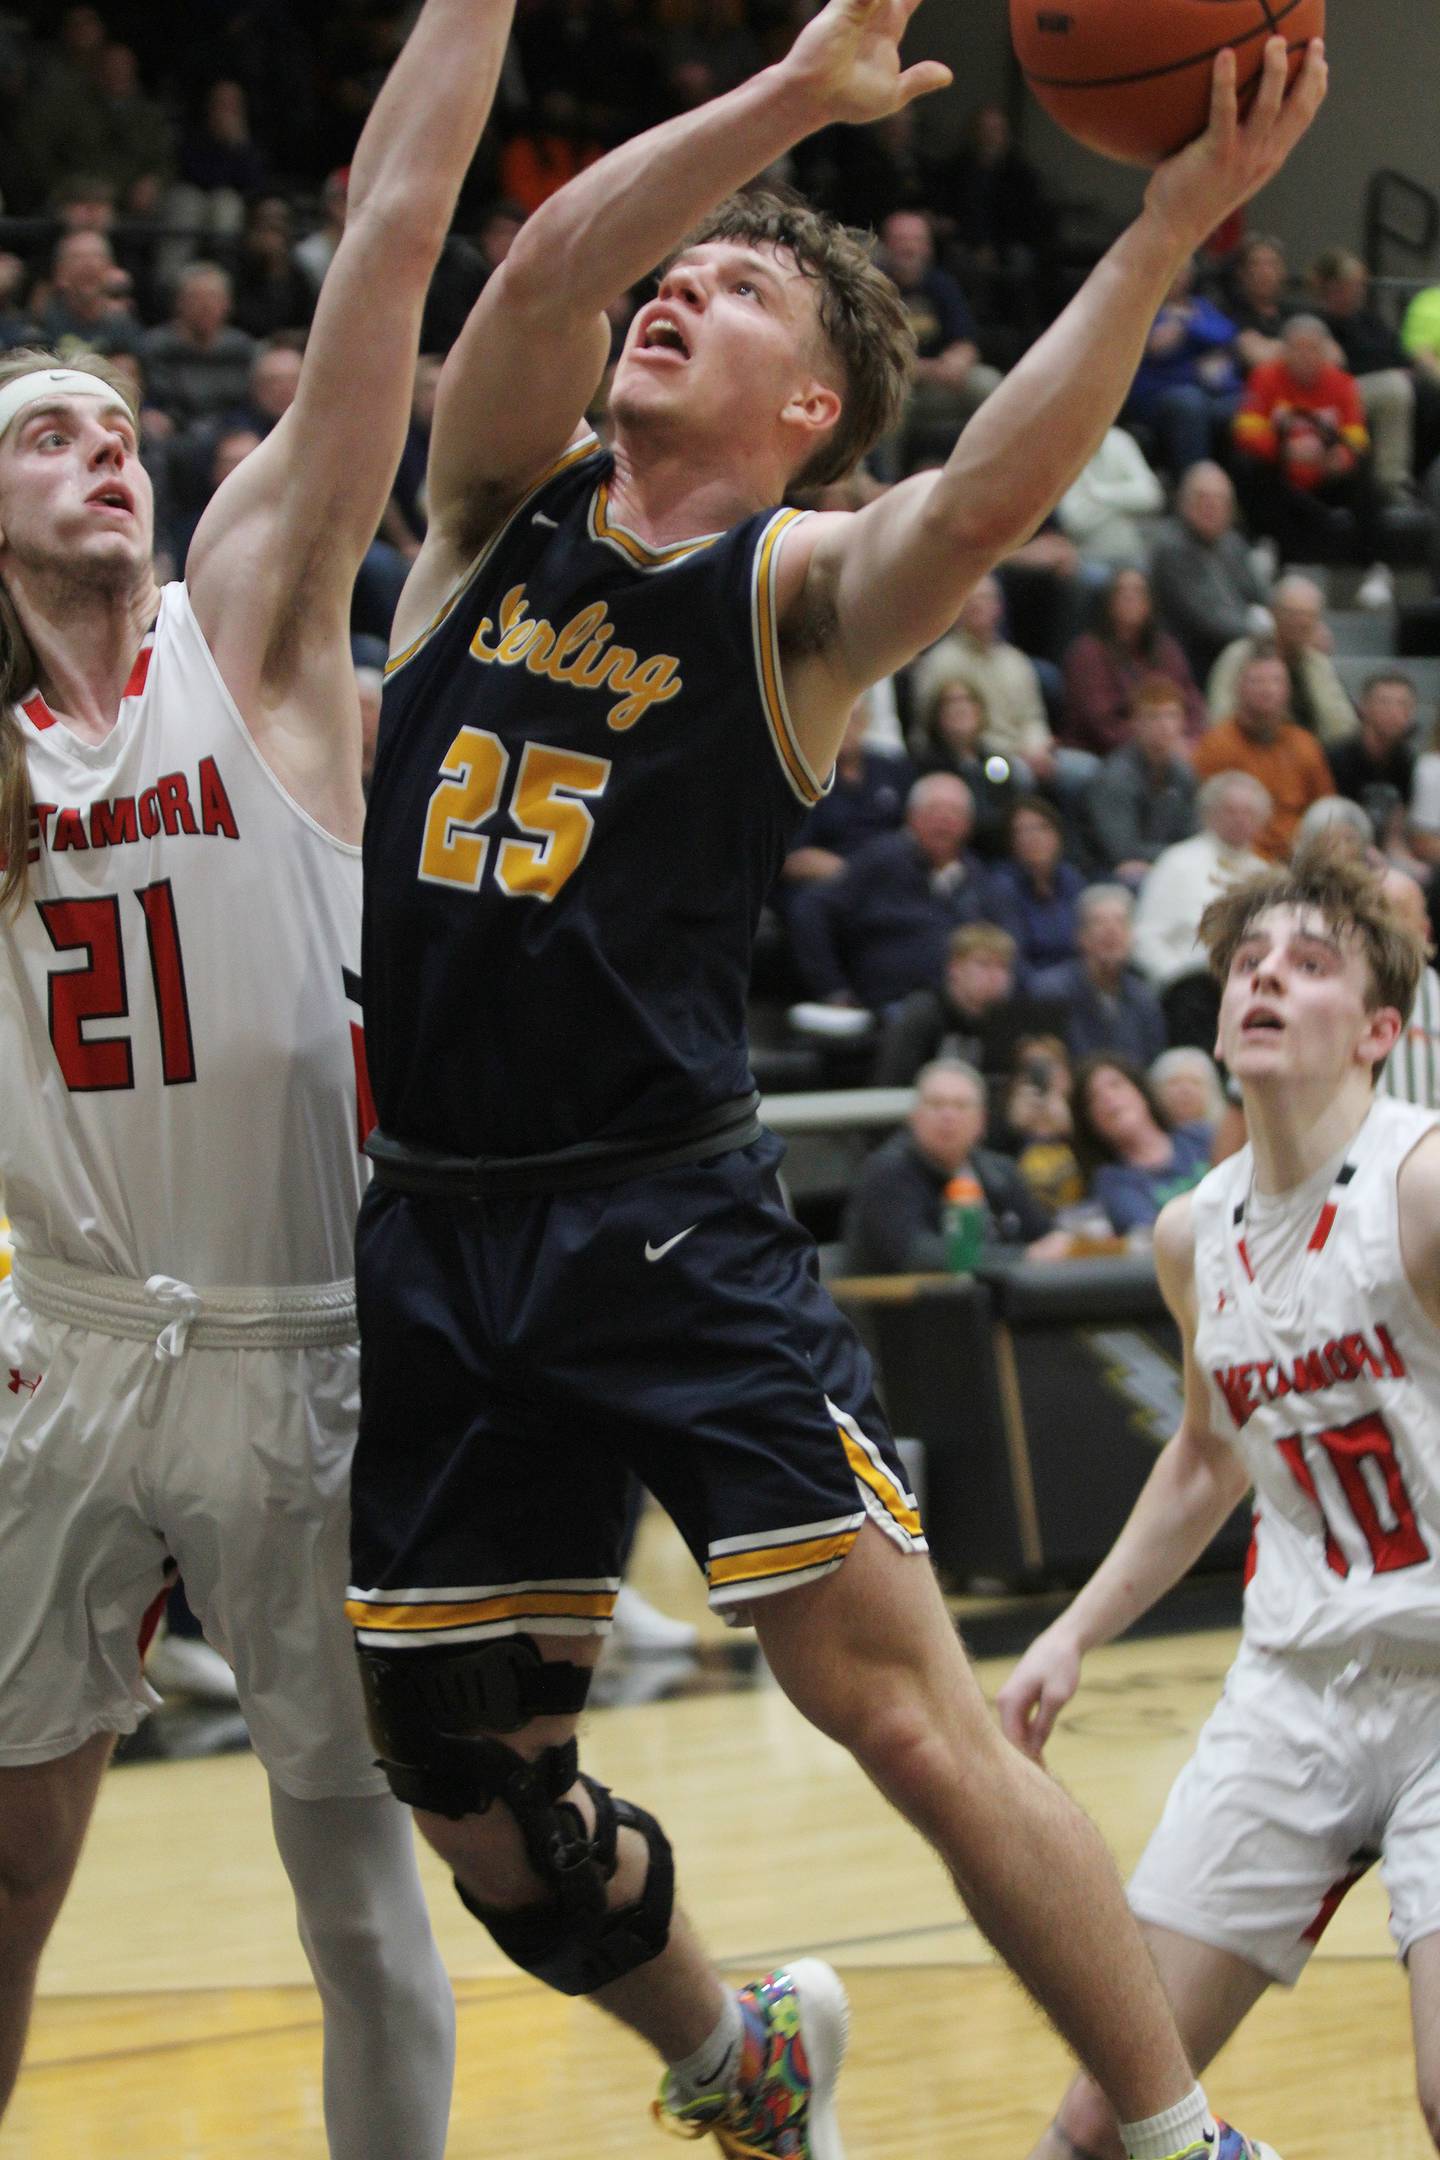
[[1232, 2144], [790, 2113]]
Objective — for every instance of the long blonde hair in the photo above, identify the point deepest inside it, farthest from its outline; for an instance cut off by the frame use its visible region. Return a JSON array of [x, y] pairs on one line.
[[17, 662]]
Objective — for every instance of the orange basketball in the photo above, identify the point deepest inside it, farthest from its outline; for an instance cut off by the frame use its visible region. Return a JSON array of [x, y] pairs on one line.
[[1131, 78]]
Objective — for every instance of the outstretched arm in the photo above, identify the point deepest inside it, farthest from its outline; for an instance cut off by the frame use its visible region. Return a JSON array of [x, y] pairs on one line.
[[891, 578], [528, 360], [275, 556], [1196, 1481]]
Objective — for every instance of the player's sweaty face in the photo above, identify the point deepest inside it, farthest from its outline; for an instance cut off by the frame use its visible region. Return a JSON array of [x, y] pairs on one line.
[[72, 488], [1294, 1002], [730, 318]]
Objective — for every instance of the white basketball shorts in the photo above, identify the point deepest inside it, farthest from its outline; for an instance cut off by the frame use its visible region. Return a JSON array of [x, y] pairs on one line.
[[231, 1462], [1306, 1772]]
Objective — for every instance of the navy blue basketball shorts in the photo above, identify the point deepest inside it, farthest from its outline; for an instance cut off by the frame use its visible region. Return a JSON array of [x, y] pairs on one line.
[[522, 1356]]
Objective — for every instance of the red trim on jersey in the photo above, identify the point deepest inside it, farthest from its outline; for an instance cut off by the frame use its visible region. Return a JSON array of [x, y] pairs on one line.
[[38, 713], [1323, 1227], [366, 1119], [1324, 1221], [1330, 1903], [154, 1612], [140, 670], [1252, 1550]]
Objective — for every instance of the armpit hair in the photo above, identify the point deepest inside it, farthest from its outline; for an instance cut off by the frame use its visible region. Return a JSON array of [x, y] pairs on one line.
[[811, 628], [485, 512]]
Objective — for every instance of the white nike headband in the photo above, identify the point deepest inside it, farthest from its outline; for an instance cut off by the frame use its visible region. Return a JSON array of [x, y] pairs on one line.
[[42, 384]]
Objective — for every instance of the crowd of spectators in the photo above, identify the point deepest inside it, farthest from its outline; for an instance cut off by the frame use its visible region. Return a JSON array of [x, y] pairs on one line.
[[1005, 880], [1037, 955]]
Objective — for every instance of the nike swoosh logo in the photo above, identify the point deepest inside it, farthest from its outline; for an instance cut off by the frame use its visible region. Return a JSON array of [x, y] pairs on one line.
[[540, 519], [658, 1252]]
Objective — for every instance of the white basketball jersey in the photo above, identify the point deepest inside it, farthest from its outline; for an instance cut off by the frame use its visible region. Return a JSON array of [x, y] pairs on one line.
[[179, 997], [1324, 1370]]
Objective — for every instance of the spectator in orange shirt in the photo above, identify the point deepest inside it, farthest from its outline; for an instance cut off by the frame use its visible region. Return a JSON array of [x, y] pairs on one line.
[[547, 151], [1261, 739], [1303, 446]]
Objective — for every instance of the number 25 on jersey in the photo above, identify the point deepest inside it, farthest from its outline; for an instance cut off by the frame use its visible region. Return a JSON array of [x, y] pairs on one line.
[[547, 804]]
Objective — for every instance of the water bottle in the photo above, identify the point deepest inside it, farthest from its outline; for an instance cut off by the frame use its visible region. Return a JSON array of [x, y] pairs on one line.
[[963, 1220]]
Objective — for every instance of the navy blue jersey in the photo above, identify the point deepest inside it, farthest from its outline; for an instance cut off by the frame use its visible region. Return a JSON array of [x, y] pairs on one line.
[[585, 783]]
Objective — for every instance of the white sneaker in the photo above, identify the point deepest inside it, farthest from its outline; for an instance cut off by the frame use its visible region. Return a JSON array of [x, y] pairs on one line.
[[644, 1632], [830, 1023], [184, 1665], [1377, 588]]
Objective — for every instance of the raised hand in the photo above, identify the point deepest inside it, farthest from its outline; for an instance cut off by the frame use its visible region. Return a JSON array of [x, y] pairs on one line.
[[848, 59], [1197, 189]]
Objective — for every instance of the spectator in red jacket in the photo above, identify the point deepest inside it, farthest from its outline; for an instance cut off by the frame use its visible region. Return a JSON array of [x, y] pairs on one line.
[[1303, 444]]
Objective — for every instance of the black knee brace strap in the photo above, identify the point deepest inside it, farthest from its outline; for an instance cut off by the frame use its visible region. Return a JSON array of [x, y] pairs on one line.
[[433, 1717], [573, 1942], [431, 1714]]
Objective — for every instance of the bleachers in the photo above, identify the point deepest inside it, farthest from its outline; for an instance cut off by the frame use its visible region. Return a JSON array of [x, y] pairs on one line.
[[1356, 668], [1361, 631]]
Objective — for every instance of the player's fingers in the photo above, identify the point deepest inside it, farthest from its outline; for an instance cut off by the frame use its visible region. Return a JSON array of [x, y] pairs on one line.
[[922, 78], [1016, 1707], [1307, 94], [1224, 114], [1038, 1730], [1270, 96]]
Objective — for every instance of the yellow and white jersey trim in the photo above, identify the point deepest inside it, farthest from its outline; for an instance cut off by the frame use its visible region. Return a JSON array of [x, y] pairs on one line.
[[421, 1619], [607, 529], [742, 1569], [886, 1499], [584, 447], [797, 768]]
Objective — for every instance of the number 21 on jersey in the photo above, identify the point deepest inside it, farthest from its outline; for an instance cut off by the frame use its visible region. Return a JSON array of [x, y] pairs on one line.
[[98, 991], [547, 804]]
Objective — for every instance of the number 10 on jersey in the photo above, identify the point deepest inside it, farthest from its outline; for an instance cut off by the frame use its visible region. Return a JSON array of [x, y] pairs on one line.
[[547, 804]]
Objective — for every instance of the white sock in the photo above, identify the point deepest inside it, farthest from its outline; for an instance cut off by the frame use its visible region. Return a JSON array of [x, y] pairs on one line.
[[389, 2014], [714, 2065], [1179, 2130]]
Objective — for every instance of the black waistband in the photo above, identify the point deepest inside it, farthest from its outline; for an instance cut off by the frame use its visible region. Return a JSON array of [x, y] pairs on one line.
[[411, 1169]]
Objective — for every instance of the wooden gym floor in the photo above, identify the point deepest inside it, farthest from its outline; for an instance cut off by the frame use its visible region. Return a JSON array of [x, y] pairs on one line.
[[176, 2018]]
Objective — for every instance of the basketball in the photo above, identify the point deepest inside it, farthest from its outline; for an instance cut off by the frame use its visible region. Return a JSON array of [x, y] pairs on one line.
[[1131, 78]]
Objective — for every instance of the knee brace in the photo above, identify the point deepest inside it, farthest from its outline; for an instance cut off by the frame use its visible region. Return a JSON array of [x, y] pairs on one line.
[[432, 1713], [573, 1942]]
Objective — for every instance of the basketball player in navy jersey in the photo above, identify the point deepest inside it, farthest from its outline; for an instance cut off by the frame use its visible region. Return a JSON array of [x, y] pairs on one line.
[[180, 816], [1304, 1275], [618, 678]]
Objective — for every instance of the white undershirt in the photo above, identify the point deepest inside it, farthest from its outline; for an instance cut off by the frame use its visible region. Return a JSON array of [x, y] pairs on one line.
[[1279, 1226]]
